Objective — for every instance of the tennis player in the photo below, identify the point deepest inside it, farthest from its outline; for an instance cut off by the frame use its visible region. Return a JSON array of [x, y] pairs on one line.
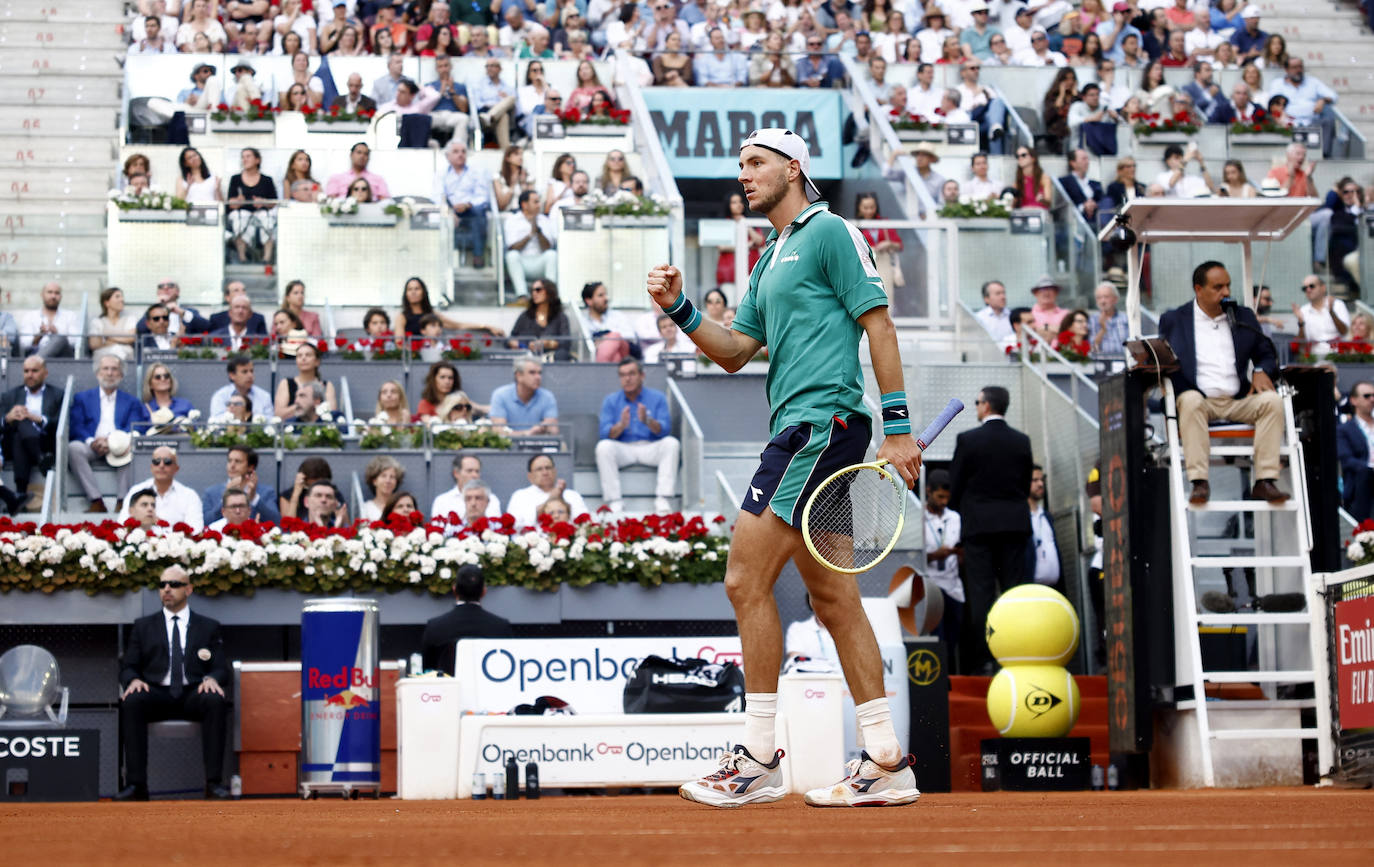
[[812, 295]]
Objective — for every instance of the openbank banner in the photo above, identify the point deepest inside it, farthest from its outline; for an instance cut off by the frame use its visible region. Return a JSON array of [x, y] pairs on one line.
[[588, 673], [702, 128], [644, 750]]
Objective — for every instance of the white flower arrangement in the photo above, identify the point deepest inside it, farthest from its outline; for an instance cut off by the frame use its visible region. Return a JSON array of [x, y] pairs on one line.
[[338, 205], [624, 203], [151, 199], [1361, 547]]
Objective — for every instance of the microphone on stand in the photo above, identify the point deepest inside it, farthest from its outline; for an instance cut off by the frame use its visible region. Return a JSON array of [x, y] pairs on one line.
[[1229, 306]]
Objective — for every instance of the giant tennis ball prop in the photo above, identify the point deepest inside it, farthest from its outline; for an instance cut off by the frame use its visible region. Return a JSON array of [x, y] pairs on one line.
[[1032, 624], [1033, 701]]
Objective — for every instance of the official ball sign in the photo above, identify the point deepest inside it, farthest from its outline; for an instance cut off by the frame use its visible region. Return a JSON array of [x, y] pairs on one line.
[[1354, 652], [1036, 764]]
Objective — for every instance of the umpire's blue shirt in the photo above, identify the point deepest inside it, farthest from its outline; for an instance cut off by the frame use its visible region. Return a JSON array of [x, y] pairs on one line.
[[654, 401]]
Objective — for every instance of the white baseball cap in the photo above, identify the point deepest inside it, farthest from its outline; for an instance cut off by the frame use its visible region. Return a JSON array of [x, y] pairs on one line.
[[1251, 11], [791, 146]]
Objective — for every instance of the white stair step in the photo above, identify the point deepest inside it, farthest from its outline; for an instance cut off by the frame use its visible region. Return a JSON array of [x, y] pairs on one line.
[[30, 253], [60, 61], [1224, 706], [1263, 734], [58, 205], [1243, 506], [61, 34], [102, 14], [57, 150], [42, 225], [54, 187], [1245, 451], [1240, 561], [60, 90], [40, 120], [1258, 618], [1258, 676]]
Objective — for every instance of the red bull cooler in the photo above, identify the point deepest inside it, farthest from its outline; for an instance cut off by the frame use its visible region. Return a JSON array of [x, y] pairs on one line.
[[341, 720]]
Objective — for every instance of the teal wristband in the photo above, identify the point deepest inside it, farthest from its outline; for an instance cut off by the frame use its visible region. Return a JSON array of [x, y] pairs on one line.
[[684, 314], [896, 417]]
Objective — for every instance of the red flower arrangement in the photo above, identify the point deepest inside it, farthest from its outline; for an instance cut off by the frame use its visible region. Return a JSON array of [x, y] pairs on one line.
[[1149, 123], [612, 117]]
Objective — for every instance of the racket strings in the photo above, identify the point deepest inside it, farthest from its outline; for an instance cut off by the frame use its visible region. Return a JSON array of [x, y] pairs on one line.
[[855, 517]]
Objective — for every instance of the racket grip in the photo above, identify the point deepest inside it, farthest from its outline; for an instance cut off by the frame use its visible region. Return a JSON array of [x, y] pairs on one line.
[[927, 436]]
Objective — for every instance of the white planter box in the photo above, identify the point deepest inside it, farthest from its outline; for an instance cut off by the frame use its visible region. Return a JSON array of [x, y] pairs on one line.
[[341, 126], [245, 126], [931, 135], [152, 215], [1259, 139]]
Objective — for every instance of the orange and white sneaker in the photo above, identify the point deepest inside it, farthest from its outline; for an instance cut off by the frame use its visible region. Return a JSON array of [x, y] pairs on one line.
[[869, 784], [740, 779]]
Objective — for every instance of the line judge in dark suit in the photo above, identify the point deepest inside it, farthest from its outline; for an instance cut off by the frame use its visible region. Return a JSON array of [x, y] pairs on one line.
[[990, 479], [467, 620], [1213, 381], [28, 423], [173, 668]]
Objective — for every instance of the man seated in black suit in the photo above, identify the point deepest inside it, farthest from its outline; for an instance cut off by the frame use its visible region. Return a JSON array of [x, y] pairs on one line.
[[467, 620], [1211, 384], [990, 480], [242, 329], [1238, 109], [173, 668], [1353, 440], [153, 328], [218, 321], [28, 424], [353, 100], [1086, 195]]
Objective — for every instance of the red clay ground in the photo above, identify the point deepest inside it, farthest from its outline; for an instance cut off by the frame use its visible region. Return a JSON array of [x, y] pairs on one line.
[[1255, 827]]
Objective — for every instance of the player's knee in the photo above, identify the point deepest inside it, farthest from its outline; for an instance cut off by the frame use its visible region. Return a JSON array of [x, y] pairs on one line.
[[744, 588]]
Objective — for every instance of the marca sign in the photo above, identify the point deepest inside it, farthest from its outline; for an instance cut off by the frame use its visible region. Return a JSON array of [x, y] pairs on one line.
[[587, 673], [702, 129]]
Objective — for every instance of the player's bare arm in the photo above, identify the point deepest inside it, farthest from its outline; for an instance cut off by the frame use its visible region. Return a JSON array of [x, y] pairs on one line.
[[900, 450], [728, 348]]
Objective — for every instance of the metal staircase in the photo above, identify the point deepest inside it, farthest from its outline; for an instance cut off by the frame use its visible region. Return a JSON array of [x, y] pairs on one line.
[[1280, 546], [59, 121]]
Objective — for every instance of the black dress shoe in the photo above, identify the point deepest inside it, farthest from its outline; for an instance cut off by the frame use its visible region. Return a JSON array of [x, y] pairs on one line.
[[13, 502], [132, 793], [217, 792]]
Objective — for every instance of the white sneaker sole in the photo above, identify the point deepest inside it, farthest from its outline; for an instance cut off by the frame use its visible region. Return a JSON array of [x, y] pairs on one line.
[[891, 798], [764, 795]]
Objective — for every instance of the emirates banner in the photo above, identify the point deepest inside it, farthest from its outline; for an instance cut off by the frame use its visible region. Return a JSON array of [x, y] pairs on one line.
[[1354, 654]]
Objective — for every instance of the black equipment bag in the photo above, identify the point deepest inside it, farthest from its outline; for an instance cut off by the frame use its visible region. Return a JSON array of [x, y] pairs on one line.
[[684, 686]]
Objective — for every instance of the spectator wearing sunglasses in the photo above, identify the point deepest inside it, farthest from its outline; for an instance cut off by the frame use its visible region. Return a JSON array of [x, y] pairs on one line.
[[1352, 446], [156, 328], [176, 503]]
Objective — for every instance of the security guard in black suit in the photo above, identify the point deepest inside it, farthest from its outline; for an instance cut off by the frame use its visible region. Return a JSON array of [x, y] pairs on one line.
[[467, 620], [173, 668]]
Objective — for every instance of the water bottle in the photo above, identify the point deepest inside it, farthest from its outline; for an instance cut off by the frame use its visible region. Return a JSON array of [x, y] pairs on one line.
[[1098, 778], [512, 779], [531, 781], [1113, 778], [479, 786], [236, 787], [498, 787], [417, 664]]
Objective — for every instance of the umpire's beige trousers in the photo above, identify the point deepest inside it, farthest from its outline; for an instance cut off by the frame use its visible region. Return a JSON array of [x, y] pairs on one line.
[[1263, 409]]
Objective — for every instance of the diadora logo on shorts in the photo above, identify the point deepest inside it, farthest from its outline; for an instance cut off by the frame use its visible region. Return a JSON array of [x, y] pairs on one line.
[[790, 258]]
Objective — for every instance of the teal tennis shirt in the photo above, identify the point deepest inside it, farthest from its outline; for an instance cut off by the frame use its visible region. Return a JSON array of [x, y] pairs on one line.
[[806, 294]]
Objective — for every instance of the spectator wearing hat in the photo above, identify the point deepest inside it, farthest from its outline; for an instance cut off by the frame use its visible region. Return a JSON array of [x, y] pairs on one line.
[[97, 416], [1018, 33], [203, 94], [926, 157], [1047, 314], [246, 87], [976, 39], [468, 619], [1249, 39], [176, 503], [931, 37], [1114, 31]]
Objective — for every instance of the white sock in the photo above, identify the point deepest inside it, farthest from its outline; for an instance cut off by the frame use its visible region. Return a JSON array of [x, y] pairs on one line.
[[760, 712], [877, 733]]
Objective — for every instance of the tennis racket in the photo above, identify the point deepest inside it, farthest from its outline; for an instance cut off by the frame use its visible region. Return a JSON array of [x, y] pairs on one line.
[[853, 518]]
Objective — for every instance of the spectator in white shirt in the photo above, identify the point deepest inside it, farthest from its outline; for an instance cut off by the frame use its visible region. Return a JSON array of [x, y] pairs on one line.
[[156, 9], [49, 331], [153, 41], [1323, 319], [980, 186], [943, 540], [923, 97], [994, 317], [1046, 549], [1039, 53], [544, 485], [530, 240], [1176, 182], [233, 508], [466, 469], [1018, 35], [176, 503], [241, 382]]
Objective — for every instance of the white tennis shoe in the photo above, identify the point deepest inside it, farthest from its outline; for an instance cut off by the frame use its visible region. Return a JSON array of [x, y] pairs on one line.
[[739, 779], [869, 784]]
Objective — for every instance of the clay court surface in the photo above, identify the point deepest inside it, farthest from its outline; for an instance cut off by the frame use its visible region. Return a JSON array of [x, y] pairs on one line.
[[1271, 826]]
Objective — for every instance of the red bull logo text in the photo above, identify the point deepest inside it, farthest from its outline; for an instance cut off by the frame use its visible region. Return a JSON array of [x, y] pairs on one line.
[[344, 679]]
